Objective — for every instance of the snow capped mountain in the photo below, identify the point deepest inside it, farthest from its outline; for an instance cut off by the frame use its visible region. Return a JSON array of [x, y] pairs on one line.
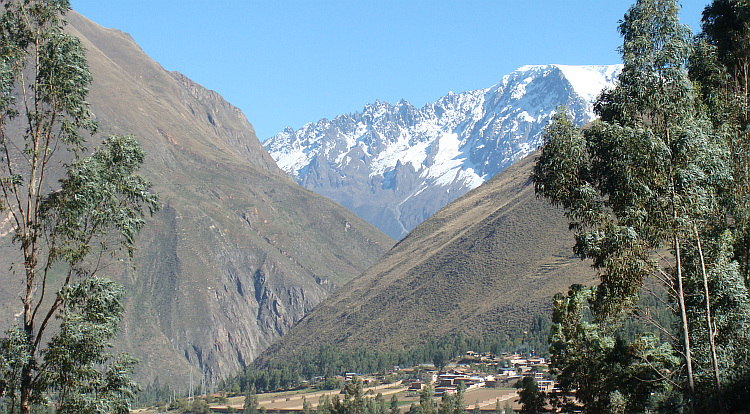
[[395, 165]]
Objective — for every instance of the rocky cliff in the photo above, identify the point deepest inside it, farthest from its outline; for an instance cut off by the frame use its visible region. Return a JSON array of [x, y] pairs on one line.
[[239, 252]]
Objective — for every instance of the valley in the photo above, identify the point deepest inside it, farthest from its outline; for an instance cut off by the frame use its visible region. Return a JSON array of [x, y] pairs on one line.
[[483, 381], [241, 250], [573, 238], [239, 253]]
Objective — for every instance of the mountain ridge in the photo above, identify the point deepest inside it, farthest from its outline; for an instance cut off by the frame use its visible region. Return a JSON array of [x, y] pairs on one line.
[[238, 252], [395, 165]]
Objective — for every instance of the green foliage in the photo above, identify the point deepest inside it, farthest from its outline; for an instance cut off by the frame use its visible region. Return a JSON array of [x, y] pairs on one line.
[[458, 401], [306, 406], [447, 404], [330, 360], [592, 359], [180, 405], [665, 168], [724, 25], [439, 358], [721, 67], [324, 405], [330, 383], [355, 401], [379, 406], [532, 399], [354, 397], [731, 324], [156, 393], [96, 209], [100, 193], [15, 354], [199, 406], [394, 405], [426, 403], [90, 315], [251, 403]]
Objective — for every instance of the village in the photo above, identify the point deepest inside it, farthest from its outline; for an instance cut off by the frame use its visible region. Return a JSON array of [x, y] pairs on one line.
[[488, 381], [472, 372]]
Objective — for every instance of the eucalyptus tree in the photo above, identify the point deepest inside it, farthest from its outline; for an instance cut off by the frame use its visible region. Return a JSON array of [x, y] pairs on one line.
[[426, 403], [68, 214], [393, 408], [645, 179], [725, 26], [447, 404], [250, 405], [721, 68], [608, 374]]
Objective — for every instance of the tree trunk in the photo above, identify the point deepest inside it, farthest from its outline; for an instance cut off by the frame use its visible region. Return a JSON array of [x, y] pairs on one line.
[[28, 326], [715, 362], [685, 330], [25, 401]]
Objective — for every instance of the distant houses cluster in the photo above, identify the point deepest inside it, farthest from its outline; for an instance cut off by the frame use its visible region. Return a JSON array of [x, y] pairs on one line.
[[448, 382]]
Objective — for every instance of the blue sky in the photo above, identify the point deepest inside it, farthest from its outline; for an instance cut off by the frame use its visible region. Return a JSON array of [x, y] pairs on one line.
[[286, 63]]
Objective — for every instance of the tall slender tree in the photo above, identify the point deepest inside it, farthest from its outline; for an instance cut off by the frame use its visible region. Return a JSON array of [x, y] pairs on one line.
[[648, 176], [393, 408], [721, 68], [63, 229]]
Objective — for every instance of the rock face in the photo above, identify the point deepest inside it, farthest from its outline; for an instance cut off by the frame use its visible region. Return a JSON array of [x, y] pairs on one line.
[[396, 165], [238, 252]]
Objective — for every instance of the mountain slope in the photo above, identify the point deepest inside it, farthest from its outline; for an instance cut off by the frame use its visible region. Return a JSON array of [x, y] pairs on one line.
[[395, 165], [495, 256], [239, 252]]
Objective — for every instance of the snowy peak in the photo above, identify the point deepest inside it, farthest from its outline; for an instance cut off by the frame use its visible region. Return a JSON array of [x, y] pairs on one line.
[[590, 81], [395, 165]]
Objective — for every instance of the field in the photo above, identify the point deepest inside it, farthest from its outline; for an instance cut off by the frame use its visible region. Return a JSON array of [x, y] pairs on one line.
[[292, 401]]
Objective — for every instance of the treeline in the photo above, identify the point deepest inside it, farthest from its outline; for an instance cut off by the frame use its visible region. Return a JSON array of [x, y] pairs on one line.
[[330, 360], [355, 400]]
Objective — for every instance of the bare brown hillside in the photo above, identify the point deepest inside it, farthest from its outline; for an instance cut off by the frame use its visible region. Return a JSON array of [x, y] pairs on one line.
[[239, 252], [489, 259]]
